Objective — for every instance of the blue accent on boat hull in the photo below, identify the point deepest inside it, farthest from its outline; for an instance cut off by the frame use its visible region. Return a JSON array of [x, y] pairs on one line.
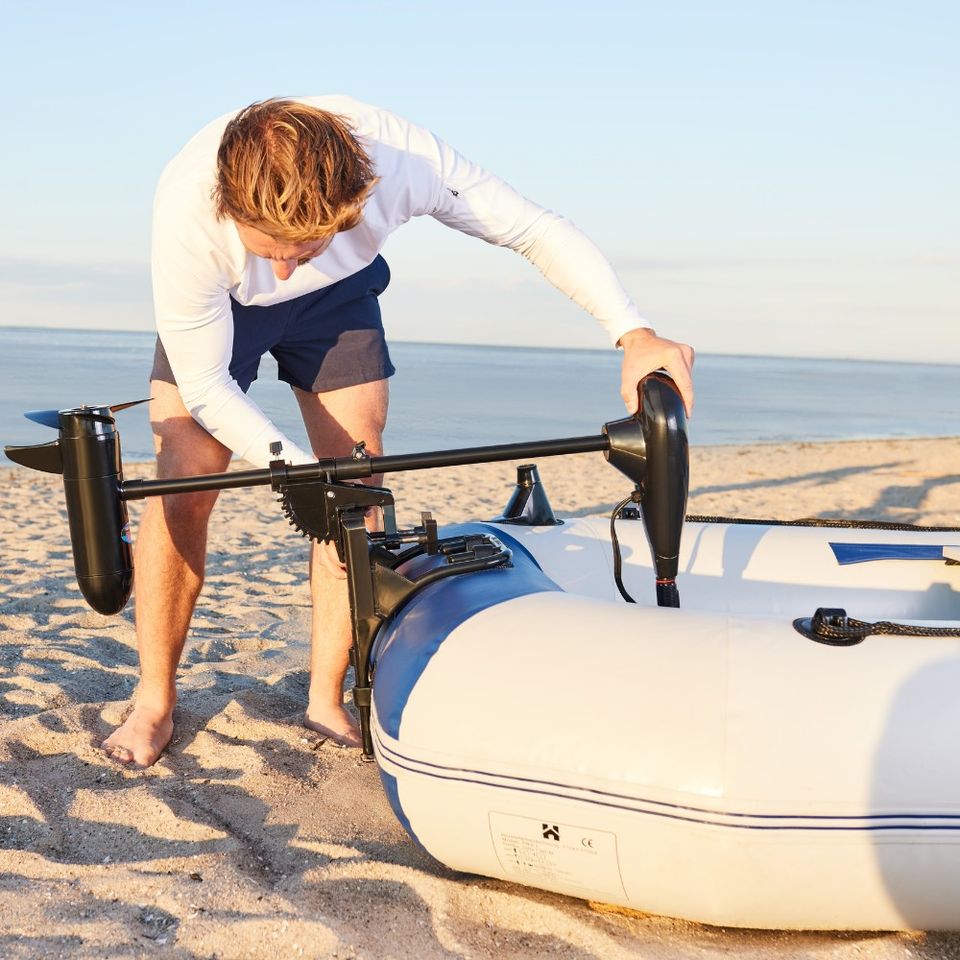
[[406, 644], [391, 789], [862, 552]]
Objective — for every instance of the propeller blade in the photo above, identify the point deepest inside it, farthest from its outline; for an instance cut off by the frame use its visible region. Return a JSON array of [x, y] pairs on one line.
[[117, 407], [49, 418]]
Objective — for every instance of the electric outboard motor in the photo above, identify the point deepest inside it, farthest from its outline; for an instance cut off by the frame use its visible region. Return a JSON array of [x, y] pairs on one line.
[[87, 453], [651, 449]]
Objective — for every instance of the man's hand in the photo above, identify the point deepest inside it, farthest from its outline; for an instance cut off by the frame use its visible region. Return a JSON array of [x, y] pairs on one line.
[[644, 352]]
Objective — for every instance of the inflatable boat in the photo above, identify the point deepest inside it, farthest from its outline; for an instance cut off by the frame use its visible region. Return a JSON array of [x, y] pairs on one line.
[[711, 762], [778, 751]]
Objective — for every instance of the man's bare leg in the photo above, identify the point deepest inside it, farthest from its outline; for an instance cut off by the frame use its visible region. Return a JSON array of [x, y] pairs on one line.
[[168, 574], [335, 421]]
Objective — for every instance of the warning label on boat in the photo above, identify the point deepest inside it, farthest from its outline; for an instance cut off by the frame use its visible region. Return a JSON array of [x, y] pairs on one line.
[[558, 855]]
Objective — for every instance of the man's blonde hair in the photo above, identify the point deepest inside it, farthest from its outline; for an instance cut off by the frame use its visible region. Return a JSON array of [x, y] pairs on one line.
[[293, 171]]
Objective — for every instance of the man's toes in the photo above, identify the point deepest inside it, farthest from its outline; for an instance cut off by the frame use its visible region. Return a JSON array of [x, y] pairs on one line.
[[119, 753], [145, 758], [344, 736]]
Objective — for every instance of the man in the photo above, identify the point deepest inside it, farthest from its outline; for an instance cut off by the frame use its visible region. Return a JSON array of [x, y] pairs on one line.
[[267, 232]]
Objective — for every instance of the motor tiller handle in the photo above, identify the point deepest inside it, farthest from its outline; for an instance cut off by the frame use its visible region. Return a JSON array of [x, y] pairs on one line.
[[87, 453], [660, 466]]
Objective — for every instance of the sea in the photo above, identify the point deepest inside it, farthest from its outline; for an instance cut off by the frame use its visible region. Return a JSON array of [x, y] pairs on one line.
[[450, 395]]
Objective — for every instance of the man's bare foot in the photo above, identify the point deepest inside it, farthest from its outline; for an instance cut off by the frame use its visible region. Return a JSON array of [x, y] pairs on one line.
[[335, 723], [140, 739]]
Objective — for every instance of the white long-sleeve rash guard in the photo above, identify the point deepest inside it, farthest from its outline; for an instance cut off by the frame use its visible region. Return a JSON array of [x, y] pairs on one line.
[[199, 261]]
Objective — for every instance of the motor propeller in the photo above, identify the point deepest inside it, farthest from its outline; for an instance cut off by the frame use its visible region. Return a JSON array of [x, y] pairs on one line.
[[48, 418], [51, 418]]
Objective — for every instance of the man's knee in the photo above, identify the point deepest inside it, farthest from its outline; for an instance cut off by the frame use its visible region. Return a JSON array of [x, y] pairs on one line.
[[337, 419], [183, 446], [187, 511]]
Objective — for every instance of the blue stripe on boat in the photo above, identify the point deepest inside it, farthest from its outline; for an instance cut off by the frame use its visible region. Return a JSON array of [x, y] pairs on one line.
[[861, 552], [673, 811], [893, 821]]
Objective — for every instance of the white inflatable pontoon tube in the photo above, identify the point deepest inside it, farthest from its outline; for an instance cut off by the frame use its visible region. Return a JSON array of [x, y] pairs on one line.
[[710, 762]]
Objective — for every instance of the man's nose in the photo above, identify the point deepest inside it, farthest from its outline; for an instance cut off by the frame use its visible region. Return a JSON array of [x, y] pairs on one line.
[[283, 269]]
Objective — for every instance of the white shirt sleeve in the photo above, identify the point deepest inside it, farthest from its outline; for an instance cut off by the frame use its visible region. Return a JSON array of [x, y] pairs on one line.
[[475, 202], [196, 262], [195, 324]]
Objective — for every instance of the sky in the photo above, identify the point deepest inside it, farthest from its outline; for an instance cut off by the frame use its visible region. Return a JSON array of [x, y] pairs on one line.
[[767, 177]]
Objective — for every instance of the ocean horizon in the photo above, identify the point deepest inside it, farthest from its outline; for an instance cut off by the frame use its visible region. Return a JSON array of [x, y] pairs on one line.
[[455, 395]]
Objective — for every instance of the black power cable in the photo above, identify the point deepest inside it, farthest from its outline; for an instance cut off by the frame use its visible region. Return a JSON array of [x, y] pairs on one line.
[[634, 497]]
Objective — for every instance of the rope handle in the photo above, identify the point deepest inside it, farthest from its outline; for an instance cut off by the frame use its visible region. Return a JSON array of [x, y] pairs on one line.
[[832, 626]]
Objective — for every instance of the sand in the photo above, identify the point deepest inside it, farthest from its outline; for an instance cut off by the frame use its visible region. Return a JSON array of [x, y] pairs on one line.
[[252, 839]]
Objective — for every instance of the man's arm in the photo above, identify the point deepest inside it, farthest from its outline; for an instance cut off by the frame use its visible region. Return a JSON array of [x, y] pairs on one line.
[[473, 201], [195, 323]]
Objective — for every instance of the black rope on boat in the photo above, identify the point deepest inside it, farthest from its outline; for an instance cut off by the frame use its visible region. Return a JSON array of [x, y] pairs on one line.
[[817, 522], [833, 627]]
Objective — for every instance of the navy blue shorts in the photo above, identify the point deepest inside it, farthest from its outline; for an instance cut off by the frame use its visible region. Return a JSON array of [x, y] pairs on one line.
[[325, 340]]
